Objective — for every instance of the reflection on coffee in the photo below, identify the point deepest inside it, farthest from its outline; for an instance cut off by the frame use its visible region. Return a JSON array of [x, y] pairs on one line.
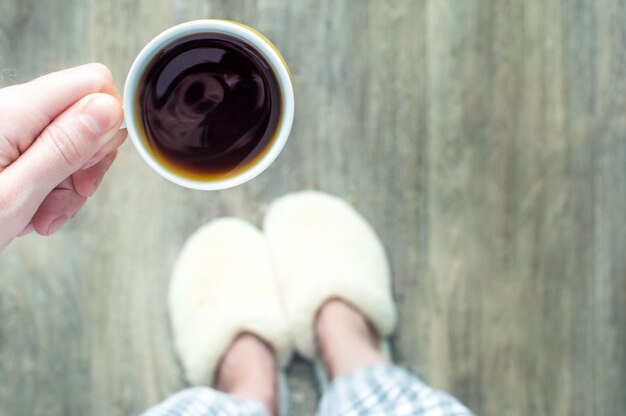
[[209, 106]]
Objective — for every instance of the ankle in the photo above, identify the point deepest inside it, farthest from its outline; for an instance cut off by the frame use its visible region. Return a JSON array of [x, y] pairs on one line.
[[346, 339], [248, 371]]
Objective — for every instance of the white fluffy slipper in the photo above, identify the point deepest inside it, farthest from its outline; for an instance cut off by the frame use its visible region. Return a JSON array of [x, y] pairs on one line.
[[323, 248], [223, 284]]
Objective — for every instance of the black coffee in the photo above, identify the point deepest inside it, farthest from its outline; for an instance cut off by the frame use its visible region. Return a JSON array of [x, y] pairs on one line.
[[209, 105]]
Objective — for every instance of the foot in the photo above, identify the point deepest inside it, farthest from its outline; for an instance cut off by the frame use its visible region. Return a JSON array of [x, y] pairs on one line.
[[323, 248], [222, 285], [248, 370], [346, 339]]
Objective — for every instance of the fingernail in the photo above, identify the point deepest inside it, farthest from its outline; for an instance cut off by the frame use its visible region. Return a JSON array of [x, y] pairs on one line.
[[56, 224], [101, 113]]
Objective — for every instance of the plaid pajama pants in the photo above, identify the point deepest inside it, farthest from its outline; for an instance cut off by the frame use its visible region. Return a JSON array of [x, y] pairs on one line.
[[376, 390]]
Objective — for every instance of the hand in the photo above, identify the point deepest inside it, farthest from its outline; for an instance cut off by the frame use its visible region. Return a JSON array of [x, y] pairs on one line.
[[58, 136]]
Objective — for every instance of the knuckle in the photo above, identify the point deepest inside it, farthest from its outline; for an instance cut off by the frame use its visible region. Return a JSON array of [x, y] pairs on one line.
[[63, 143]]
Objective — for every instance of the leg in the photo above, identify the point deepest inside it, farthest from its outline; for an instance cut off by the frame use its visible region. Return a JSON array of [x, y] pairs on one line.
[[248, 371], [245, 385], [346, 339], [363, 380]]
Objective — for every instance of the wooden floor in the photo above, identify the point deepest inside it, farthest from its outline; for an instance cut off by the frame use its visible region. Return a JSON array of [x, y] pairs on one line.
[[484, 140]]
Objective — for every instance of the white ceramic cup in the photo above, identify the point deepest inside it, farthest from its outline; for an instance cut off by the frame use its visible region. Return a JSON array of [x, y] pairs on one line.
[[237, 30]]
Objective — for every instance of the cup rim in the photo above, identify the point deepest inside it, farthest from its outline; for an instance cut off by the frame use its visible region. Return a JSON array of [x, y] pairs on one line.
[[261, 45]]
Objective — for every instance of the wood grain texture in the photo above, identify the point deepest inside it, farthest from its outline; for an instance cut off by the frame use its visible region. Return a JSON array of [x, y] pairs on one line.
[[484, 140]]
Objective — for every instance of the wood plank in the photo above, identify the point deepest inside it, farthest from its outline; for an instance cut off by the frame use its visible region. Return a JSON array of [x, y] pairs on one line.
[[483, 139]]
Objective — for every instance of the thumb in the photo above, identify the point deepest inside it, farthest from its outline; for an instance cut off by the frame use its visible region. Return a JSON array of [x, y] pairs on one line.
[[70, 141]]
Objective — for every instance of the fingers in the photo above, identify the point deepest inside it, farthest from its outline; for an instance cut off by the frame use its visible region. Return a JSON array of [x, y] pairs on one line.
[[108, 148], [66, 145], [58, 207], [86, 181], [65, 201], [30, 107], [72, 140]]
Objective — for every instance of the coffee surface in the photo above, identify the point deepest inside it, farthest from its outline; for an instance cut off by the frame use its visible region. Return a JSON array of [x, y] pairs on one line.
[[209, 105]]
